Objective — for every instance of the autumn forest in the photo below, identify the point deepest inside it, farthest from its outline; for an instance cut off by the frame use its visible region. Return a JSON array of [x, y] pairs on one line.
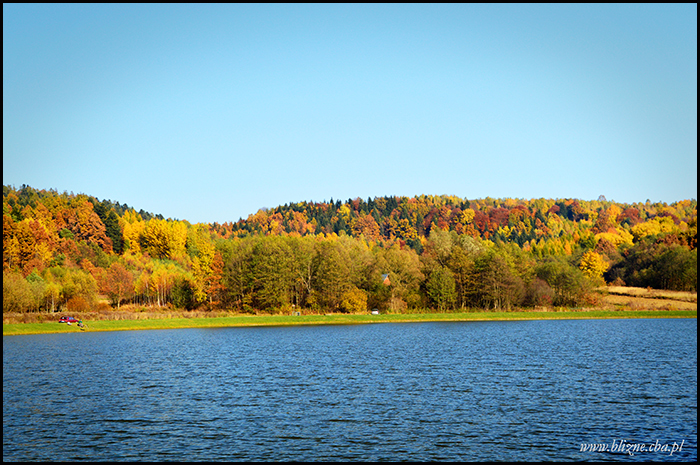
[[74, 252]]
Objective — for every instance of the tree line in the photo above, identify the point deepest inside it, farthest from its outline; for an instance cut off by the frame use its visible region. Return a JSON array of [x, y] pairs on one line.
[[63, 251]]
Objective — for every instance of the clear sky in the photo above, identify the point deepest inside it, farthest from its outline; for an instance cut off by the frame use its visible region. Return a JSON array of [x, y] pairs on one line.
[[209, 112]]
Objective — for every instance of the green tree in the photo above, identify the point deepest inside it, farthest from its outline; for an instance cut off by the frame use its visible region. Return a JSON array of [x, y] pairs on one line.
[[676, 269], [461, 263], [568, 282], [331, 278], [37, 285], [273, 273], [404, 269], [238, 273], [183, 293], [114, 231], [499, 287], [441, 288], [302, 262]]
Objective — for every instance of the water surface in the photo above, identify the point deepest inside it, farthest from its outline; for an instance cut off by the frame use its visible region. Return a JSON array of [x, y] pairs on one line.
[[505, 390]]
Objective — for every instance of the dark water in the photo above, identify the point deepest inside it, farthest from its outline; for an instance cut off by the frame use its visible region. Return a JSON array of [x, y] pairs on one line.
[[531, 390]]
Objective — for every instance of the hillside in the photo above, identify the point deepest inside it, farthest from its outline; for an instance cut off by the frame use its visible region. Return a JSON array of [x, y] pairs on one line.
[[62, 250]]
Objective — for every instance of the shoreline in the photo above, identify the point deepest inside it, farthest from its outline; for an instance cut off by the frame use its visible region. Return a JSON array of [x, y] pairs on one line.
[[17, 329]]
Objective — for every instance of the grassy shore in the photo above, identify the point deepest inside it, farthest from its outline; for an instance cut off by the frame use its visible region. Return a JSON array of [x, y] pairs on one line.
[[335, 319]]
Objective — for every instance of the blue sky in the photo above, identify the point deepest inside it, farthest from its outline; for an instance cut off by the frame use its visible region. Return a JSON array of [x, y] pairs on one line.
[[210, 112]]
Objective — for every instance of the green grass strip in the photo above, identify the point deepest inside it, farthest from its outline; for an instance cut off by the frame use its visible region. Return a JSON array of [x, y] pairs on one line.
[[288, 320]]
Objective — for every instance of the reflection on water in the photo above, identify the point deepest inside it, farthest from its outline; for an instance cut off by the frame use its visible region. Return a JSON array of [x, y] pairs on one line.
[[530, 390]]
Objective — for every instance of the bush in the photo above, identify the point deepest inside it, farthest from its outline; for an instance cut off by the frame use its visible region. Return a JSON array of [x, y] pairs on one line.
[[78, 304], [539, 294], [354, 300]]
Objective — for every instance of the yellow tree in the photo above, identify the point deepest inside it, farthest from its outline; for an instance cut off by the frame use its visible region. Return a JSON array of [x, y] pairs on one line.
[[132, 227], [213, 283], [26, 244], [10, 243], [200, 271], [143, 287], [354, 300], [617, 237], [345, 213], [162, 280], [614, 212], [199, 246], [593, 265], [177, 237], [52, 294], [165, 239], [658, 225], [44, 244], [155, 238]]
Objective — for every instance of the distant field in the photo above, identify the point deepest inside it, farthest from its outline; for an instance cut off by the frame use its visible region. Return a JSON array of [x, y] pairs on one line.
[[653, 293], [637, 298]]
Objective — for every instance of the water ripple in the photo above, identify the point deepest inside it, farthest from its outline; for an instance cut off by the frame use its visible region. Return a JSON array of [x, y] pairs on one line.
[[481, 391]]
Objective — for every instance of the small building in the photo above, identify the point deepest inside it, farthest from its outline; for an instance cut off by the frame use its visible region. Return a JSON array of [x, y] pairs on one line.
[[385, 279]]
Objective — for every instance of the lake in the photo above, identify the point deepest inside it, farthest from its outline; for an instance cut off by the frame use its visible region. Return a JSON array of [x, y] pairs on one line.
[[458, 391]]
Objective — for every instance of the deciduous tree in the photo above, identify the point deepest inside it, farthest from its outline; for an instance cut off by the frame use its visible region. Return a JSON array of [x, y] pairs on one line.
[[593, 266], [441, 288], [118, 284]]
